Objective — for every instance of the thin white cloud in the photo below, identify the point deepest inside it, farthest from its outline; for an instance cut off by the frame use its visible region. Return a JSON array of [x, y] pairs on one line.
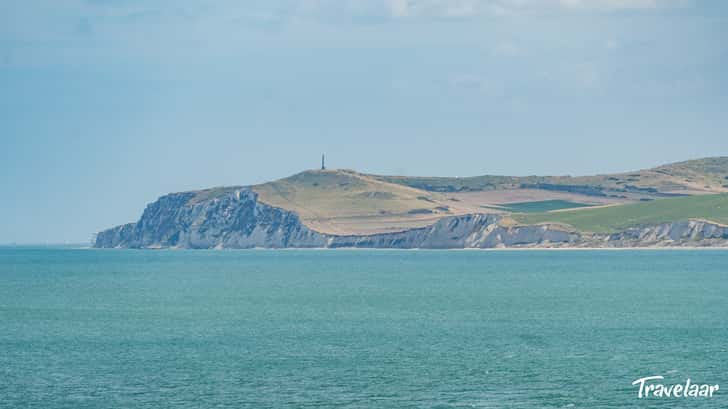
[[401, 9], [42, 20], [618, 4]]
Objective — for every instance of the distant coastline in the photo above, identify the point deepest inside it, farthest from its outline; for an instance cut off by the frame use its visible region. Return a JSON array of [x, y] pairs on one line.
[[678, 205]]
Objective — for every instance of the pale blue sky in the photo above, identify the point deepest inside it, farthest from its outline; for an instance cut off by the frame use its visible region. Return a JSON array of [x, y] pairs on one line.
[[106, 105]]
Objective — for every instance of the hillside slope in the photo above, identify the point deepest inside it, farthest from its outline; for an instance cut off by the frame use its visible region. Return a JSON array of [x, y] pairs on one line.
[[700, 176], [610, 219], [238, 220], [346, 202]]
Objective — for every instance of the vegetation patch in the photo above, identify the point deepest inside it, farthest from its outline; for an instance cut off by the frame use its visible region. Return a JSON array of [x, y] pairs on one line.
[[215, 192], [610, 219], [376, 195], [538, 206], [705, 175]]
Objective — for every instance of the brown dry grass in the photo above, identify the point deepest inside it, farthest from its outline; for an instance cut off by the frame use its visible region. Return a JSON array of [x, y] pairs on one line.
[[345, 202], [499, 197]]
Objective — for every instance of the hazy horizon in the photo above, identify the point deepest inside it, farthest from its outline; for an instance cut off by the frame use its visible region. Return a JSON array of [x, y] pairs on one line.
[[107, 105]]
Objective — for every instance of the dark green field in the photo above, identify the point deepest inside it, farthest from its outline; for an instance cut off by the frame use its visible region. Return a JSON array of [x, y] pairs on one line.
[[614, 218], [537, 207]]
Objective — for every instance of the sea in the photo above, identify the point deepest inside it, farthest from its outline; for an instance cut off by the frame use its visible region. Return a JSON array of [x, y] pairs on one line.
[[88, 328]]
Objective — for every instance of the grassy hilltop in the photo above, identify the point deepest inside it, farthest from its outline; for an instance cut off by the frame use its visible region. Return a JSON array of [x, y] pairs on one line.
[[345, 202]]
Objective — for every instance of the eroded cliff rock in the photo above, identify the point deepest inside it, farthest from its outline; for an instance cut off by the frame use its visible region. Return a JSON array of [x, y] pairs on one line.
[[682, 233], [238, 220], [234, 220], [468, 231]]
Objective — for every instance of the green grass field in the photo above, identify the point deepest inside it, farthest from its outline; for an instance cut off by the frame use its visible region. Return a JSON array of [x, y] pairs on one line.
[[539, 206], [614, 218]]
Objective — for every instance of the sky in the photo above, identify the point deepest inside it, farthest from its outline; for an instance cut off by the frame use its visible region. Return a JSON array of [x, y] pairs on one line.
[[106, 105]]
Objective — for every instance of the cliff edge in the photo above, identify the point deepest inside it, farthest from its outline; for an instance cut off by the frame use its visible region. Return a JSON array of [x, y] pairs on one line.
[[237, 219]]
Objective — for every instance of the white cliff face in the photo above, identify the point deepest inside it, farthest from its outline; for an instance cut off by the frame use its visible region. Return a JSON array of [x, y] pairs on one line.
[[234, 220], [239, 220], [682, 233], [468, 231]]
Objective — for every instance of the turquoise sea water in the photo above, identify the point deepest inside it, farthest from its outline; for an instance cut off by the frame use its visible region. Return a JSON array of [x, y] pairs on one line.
[[358, 329]]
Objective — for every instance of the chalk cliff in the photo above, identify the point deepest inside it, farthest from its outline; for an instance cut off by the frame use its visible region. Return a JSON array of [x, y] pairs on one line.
[[234, 220], [682, 233], [238, 219]]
